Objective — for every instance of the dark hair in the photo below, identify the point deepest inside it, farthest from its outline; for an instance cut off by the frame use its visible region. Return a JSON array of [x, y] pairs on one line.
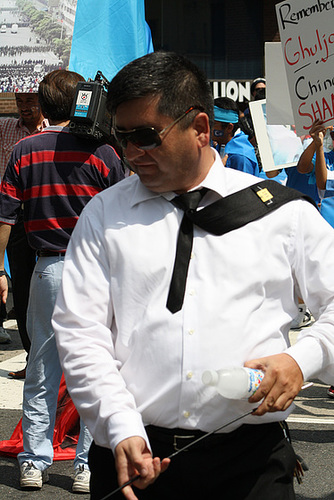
[[56, 93], [176, 81], [227, 103]]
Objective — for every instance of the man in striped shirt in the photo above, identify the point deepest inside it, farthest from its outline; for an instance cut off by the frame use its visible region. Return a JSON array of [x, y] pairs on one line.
[[55, 174]]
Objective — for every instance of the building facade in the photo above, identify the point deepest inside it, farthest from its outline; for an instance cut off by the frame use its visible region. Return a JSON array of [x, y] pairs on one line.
[[226, 39]]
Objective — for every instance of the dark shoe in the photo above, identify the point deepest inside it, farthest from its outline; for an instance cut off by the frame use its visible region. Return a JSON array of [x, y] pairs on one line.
[[18, 375], [4, 336]]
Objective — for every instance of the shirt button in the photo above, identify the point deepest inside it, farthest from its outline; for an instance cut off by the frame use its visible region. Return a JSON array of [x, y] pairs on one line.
[[186, 414], [190, 375], [192, 255], [191, 332], [192, 292]]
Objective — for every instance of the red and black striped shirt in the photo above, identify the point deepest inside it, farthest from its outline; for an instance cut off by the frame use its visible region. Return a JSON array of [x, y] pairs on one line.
[[55, 174]]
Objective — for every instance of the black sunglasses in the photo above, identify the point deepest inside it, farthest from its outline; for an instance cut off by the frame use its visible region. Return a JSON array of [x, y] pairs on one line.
[[146, 138]]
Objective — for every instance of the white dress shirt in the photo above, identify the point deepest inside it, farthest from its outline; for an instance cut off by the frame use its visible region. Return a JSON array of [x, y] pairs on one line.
[[129, 361]]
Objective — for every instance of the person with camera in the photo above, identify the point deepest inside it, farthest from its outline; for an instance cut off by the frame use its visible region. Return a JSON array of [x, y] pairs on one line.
[[55, 174]]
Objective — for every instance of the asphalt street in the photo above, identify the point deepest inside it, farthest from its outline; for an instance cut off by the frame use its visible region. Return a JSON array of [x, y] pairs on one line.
[[311, 426]]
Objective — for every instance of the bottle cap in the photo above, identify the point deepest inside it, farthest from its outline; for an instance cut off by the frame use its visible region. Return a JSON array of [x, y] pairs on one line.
[[210, 377]]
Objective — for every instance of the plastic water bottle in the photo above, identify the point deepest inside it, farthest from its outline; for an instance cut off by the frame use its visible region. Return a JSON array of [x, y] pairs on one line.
[[234, 383]]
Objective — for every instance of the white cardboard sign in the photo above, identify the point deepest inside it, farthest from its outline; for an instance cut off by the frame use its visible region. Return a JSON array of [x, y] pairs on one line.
[[307, 36], [279, 109], [279, 147]]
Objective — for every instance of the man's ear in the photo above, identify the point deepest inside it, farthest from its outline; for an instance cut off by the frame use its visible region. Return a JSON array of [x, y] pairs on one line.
[[202, 129]]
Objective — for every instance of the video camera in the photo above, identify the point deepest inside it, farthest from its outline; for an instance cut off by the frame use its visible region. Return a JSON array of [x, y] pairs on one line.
[[89, 116]]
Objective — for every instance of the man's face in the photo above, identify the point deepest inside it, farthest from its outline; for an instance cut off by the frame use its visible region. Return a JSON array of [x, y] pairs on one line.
[[28, 108], [219, 133], [172, 166]]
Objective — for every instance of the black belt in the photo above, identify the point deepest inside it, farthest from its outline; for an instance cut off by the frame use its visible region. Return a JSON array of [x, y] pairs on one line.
[[178, 438], [49, 253]]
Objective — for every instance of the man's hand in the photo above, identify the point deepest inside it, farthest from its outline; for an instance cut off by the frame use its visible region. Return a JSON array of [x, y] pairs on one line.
[[132, 457], [4, 237], [282, 382]]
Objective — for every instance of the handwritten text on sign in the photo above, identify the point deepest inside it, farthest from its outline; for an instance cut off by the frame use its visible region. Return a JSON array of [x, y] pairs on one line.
[[307, 35]]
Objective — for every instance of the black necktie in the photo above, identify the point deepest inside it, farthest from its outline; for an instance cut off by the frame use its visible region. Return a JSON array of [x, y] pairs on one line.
[[187, 202], [224, 215]]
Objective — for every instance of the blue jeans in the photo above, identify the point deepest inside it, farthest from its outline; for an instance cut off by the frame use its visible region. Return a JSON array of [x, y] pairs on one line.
[[44, 372]]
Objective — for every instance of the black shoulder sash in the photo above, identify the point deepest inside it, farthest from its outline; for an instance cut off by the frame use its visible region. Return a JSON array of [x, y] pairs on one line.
[[249, 204]]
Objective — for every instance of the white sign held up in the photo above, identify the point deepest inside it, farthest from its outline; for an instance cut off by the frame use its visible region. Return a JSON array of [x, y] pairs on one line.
[[307, 36]]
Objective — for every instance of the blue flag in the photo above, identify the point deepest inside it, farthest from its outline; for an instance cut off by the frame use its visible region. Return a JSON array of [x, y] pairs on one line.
[[107, 35]]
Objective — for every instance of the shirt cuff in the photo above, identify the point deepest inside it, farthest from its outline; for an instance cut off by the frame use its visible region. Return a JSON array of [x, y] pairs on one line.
[[123, 425], [307, 352]]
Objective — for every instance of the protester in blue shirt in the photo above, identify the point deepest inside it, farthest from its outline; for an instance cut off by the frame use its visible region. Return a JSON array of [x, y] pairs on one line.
[[318, 163], [230, 140]]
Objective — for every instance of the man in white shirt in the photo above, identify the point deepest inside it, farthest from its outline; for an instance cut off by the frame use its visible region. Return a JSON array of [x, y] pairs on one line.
[[133, 363]]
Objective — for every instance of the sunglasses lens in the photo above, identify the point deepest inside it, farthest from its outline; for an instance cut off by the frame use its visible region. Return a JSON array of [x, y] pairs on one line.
[[145, 138]]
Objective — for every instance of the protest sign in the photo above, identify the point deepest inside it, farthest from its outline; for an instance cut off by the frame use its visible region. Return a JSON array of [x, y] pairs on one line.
[[279, 109], [279, 147], [307, 37]]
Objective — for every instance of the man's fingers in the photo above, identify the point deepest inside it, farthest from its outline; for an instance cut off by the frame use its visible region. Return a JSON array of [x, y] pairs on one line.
[[276, 397], [165, 464], [271, 404], [129, 493]]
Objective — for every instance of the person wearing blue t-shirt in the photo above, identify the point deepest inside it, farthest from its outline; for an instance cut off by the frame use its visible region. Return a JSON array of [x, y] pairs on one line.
[[230, 140], [319, 164]]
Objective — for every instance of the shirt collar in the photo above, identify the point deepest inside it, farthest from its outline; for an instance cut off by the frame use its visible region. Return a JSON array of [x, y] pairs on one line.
[[42, 126], [55, 128], [21, 125], [215, 181]]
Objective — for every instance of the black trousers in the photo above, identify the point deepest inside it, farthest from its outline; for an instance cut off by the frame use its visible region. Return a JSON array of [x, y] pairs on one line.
[[255, 462], [22, 260]]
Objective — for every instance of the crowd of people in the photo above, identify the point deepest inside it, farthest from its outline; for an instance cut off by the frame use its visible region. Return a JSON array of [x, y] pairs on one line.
[[17, 78], [18, 50], [142, 282], [19, 71]]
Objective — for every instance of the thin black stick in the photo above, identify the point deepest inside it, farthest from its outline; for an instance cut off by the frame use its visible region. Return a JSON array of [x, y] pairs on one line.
[[132, 480]]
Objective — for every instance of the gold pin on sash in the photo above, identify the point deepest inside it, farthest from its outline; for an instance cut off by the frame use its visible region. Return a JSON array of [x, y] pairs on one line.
[[264, 195]]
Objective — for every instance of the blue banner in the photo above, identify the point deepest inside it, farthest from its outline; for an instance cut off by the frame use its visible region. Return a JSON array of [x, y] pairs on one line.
[[107, 35]]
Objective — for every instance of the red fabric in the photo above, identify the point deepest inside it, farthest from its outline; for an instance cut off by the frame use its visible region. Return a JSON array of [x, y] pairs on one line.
[[66, 432]]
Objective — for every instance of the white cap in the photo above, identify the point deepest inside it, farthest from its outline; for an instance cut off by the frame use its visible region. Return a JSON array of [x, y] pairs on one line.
[[210, 377]]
